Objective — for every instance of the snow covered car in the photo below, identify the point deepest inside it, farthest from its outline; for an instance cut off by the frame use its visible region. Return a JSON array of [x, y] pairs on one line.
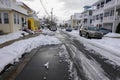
[[90, 32]]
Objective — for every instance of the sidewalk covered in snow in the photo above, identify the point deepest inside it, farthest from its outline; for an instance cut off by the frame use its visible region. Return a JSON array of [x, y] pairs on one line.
[[108, 46]]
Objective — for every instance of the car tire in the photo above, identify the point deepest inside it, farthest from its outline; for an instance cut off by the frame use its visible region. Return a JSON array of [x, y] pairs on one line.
[[87, 36], [80, 33]]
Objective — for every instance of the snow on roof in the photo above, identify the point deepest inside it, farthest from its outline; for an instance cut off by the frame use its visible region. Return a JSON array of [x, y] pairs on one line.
[[99, 1]]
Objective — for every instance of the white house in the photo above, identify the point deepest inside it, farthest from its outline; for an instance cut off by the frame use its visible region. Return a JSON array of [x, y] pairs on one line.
[[75, 20], [107, 14], [68, 23], [86, 16]]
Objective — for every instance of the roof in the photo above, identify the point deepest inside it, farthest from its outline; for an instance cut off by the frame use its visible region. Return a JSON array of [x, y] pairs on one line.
[[87, 11], [87, 7], [24, 5], [97, 2]]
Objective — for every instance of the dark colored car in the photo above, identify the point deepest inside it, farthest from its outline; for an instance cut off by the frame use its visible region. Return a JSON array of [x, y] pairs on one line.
[[69, 29], [53, 28], [90, 32], [104, 31]]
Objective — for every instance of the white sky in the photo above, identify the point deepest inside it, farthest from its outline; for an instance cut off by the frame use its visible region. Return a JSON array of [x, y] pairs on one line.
[[62, 9]]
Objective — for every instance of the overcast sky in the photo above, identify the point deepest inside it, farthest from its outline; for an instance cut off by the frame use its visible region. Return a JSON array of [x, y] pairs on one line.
[[63, 9]]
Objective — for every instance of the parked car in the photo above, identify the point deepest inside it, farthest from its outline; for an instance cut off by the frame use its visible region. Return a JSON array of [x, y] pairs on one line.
[[75, 28], [53, 28], [104, 31], [90, 32], [69, 29]]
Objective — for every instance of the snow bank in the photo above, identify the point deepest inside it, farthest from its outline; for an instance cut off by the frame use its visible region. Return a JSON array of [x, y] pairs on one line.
[[114, 35], [107, 47], [48, 32], [12, 53], [108, 42], [11, 36], [73, 33]]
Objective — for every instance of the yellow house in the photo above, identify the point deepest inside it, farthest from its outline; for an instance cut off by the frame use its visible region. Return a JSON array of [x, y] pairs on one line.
[[33, 24], [33, 21]]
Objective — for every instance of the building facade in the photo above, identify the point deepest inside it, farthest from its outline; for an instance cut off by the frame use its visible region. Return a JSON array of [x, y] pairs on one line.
[[75, 20], [86, 17], [15, 16], [107, 14]]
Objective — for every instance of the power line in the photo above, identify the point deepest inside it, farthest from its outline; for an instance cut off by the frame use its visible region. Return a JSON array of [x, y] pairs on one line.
[[44, 8]]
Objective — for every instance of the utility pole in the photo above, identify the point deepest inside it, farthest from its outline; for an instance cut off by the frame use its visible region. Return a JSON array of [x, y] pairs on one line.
[[52, 17]]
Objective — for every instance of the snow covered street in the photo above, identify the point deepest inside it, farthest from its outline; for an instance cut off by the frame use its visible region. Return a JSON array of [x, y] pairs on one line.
[[108, 46], [105, 51], [77, 57]]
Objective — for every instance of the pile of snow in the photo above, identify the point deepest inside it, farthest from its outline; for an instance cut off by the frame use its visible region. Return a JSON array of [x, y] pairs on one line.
[[11, 36], [12, 53], [48, 32], [114, 35], [73, 33], [108, 42]]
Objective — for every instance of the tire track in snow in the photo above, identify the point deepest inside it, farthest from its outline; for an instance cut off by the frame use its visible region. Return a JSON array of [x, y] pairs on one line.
[[90, 69], [112, 71], [90, 59]]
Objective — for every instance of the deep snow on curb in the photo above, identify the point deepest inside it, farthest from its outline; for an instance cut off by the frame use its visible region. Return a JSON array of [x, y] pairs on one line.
[[12, 53], [107, 47], [11, 36]]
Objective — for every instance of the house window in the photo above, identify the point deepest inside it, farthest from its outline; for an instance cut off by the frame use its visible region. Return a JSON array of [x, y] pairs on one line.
[[94, 18], [97, 17], [90, 13], [102, 4], [108, 1], [98, 6], [15, 19], [101, 16], [25, 21], [106, 14], [90, 21], [6, 19], [112, 13], [0, 18]]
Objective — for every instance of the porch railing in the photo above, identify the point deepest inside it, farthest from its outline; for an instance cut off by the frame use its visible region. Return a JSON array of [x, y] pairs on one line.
[[108, 19]]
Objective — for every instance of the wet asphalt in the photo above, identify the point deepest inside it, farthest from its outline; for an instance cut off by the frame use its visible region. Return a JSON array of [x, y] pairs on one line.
[[35, 69]]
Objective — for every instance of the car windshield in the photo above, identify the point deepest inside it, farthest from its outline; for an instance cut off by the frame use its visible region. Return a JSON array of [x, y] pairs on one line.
[[93, 28]]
